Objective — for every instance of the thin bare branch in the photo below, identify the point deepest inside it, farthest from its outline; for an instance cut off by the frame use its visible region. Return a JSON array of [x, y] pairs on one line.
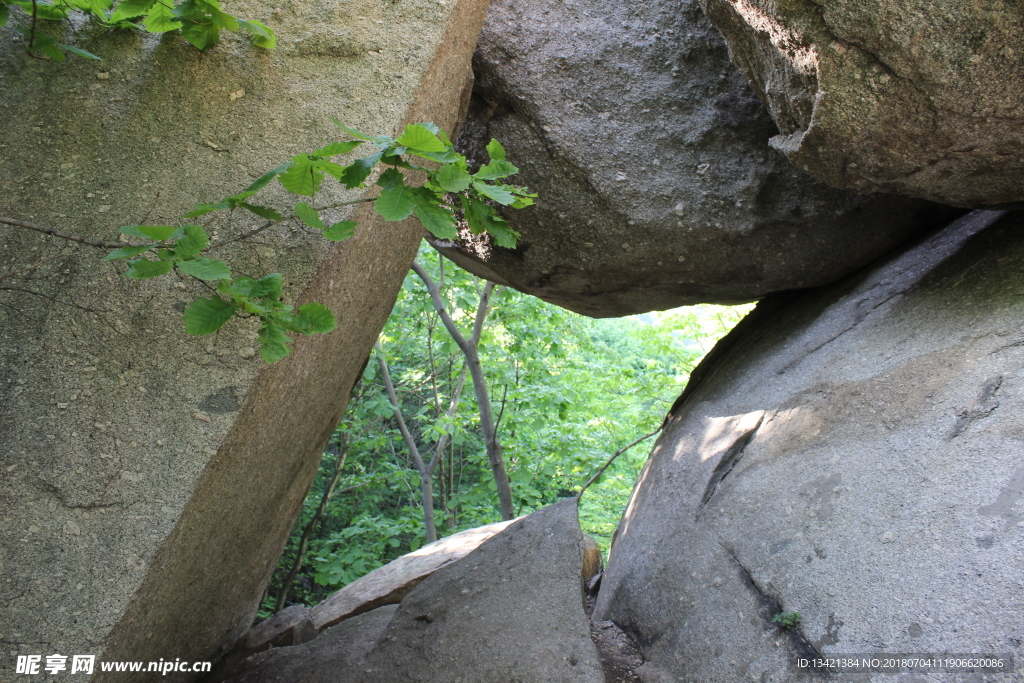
[[54, 299], [612, 459], [67, 235]]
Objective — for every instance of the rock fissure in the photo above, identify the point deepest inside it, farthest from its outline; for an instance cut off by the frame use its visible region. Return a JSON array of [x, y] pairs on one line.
[[728, 460]]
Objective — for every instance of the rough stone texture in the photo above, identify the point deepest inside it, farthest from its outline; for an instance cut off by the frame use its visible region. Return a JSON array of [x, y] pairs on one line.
[[333, 656], [392, 582], [149, 479], [649, 151], [908, 96], [852, 454], [291, 626], [512, 610]]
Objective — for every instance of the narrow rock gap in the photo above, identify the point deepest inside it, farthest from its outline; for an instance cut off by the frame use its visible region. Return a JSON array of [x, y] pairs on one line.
[[620, 656]]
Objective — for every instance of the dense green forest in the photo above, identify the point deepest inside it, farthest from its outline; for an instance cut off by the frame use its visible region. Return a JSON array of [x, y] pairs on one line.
[[566, 392]]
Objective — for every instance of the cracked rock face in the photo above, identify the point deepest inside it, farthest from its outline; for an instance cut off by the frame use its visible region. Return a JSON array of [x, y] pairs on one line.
[[908, 96], [650, 154], [851, 453]]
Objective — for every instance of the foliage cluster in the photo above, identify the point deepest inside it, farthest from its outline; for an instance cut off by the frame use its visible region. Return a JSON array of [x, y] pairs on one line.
[[450, 193], [567, 391], [200, 21]]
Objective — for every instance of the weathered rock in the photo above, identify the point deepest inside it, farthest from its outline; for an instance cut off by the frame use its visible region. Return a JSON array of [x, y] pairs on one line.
[[291, 626], [851, 454], [392, 582], [150, 478], [511, 610], [332, 657], [649, 152], [903, 96]]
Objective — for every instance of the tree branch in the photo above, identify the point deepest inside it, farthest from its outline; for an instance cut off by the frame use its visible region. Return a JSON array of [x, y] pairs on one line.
[[68, 236], [612, 459]]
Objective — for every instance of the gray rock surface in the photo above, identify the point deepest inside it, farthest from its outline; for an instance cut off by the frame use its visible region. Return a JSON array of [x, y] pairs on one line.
[[909, 96], [650, 153], [333, 656], [149, 479], [512, 610], [387, 585], [853, 454]]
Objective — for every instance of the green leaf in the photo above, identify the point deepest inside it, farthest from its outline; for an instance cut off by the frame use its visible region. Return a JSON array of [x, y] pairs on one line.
[[205, 268], [144, 270], [341, 230], [332, 168], [202, 34], [416, 136], [502, 232], [452, 178], [153, 232], [78, 51], [482, 217], [356, 172], [351, 131], [48, 46], [434, 217], [309, 216], [448, 156], [269, 286], [205, 316], [274, 342], [315, 318], [262, 181], [302, 177], [431, 126], [161, 19], [391, 179], [336, 148], [4, 14], [262, 211], [396, 204], [498, 168], [125, 252], [193, 241], [129, 9], [495, 151], [207, 208], [262, 35], [498, 194]]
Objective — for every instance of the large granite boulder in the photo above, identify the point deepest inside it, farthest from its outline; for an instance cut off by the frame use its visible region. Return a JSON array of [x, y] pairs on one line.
[[511, 610], [650, 154], [852, 454], [909, 96], [149, 478]]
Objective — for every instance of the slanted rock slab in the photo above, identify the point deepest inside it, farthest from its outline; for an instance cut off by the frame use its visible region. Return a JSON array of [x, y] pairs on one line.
[[392, 582], [852, 454], [657, 186], [511, 610]]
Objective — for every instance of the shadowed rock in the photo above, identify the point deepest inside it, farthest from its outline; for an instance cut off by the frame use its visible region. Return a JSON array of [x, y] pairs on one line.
[[852, 454], [650, 155]]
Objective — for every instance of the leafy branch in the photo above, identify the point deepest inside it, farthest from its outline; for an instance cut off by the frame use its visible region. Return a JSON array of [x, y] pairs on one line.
[[449, 192], [200, 21]]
